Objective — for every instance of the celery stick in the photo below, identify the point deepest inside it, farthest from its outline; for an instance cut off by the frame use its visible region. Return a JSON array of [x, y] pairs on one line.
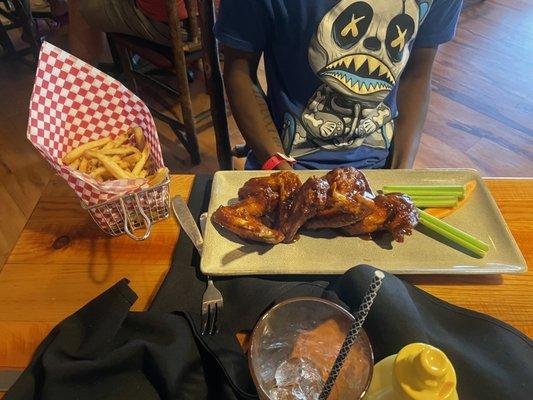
[[434, 197], [434, 201], [482, 245], [462, 238], [467, 245], [427, 190]]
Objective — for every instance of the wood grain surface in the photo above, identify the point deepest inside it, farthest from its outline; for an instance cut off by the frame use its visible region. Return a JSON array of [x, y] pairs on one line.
[[62, 261], [480, 117], [506, 297]]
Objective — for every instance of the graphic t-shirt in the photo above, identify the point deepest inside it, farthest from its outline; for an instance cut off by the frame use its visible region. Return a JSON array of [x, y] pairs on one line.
[[333, 69]]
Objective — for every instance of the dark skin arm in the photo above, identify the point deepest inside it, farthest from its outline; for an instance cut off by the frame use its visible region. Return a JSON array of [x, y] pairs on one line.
[[249, 106], [413, 101]]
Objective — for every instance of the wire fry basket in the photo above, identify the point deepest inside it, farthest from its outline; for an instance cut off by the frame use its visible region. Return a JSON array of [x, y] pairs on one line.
[[132, 211]]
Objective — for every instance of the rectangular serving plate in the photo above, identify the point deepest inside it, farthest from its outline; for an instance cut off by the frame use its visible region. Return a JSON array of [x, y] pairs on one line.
[[328, 252]]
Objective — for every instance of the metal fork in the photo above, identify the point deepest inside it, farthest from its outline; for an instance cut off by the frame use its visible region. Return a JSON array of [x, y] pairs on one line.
[[212, 301]]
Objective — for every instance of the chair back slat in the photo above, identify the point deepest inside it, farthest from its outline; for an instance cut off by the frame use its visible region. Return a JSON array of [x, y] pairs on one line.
[[215, 84], [180, 66], [193, 28], [178, 56]]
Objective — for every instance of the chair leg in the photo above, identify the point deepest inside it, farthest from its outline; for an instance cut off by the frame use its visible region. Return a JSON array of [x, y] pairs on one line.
[[190, 131], [215, 85], [203, 68], [117, 64], [194, 31], [126, 66], [5, 41], [28, 27], [190, 125], [183, 85]]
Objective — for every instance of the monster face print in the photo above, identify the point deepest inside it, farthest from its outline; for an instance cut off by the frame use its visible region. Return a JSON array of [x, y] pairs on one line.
[[359, 52]]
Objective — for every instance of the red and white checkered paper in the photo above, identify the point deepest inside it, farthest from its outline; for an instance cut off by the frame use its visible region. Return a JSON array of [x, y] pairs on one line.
[[73, 103]]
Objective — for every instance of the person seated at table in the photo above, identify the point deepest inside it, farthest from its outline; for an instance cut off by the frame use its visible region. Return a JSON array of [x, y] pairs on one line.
[[348, 81], [146, 19]]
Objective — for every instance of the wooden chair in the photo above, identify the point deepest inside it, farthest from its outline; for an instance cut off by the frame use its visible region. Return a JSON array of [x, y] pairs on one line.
[[19, 15], [201, 45]]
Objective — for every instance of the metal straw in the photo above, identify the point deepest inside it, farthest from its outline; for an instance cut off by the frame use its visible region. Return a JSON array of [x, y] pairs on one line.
[[360, 317]]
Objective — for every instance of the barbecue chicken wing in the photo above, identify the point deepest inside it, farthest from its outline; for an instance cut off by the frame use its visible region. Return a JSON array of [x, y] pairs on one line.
[[393, 212], [310, 199], [272, 209], [348, 199], [352, 206], [263, 205], [283, 183]]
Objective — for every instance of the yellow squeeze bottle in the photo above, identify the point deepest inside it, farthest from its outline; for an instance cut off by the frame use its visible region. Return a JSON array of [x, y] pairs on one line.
[[418, 372]]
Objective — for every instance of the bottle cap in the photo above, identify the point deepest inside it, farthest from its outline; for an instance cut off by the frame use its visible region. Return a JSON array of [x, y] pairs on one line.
[[423, 372]]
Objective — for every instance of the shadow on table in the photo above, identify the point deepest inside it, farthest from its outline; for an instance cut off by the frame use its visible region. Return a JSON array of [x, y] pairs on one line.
[[59, 237], [246, 247], [453, 280]]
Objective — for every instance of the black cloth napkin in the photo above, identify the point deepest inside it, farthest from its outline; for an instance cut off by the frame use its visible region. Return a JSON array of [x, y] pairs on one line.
[[104, 351]]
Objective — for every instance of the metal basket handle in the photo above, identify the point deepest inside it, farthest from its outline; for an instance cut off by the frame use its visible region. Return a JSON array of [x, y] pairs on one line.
[[147, 221]]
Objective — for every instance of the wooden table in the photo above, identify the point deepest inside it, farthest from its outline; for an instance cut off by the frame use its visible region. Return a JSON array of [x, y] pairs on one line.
[[61, 261]]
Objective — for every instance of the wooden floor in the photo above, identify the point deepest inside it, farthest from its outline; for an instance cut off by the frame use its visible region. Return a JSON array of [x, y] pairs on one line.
[[481, 113]]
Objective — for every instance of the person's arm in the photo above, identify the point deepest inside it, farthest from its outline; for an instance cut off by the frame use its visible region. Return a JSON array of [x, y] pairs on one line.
[[248, 104], [413, 100]]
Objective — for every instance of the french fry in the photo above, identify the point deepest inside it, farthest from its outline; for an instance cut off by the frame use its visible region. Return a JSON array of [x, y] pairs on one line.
[[92, 164], [140, 164], [98, 172], [116, 142], [78, 151], [109, 145], [111, 166], [132, 158], [108, 159], [126, 149], [83, 164], [158, 177], [120, 139], [139, 137], [75, 164]]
